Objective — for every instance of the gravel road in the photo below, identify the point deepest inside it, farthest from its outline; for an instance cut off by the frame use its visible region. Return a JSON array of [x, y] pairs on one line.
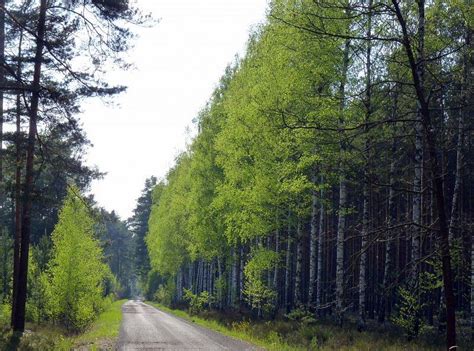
[[147, 328]]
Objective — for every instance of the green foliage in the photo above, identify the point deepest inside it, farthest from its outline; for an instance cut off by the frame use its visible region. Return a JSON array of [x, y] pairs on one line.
[[197, 302], [138, 225], [167, 235], [165, 292], [256, 290], [409, 313], [76, 269], [5, 312], [413, 299], [152, 284], [39, 291], [6, 257], [301, 315], [118, 250]]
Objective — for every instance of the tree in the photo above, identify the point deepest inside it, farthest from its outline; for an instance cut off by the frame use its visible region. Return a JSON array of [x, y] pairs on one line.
[[117, 242], [47, 30], [343, 121], [138, 225], [77, 267]]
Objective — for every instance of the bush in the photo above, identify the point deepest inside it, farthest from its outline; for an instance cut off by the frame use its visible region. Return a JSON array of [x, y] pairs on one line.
[[164, 294], [257, 293], [5, 312], [39, 293], [409, 314], [198, 302], [301, 315]]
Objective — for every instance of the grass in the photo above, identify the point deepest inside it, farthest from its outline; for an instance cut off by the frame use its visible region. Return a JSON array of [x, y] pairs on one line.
[[105, 330], [284, 335], [101, 335]]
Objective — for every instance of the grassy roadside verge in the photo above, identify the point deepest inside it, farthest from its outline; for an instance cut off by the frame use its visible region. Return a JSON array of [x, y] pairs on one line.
[[104, 331], [291, 336], [102, 334]]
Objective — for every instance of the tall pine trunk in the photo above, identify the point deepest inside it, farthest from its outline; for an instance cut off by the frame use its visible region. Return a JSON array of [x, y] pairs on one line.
[[2, 81], [19, 163], [276, 268], [18, 318], [288, 266], [299, 265], [313, 246], [319, 274]]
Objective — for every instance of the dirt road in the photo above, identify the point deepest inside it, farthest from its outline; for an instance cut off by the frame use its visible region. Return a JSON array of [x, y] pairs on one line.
[[147, 328]]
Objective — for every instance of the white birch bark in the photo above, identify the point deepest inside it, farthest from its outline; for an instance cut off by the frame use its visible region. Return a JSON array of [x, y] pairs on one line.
[[341, 225], [365, 192]]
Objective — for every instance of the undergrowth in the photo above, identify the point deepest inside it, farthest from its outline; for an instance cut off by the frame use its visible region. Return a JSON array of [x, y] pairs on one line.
[[101, 335], [306, 334]]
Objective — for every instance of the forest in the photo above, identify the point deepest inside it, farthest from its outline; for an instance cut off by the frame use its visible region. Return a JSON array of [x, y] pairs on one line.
[[332, 172], [330, 179], [63, 259]]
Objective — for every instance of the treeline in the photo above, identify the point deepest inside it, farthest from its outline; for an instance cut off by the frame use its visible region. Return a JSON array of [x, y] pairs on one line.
[[332, 171], [53, 55]]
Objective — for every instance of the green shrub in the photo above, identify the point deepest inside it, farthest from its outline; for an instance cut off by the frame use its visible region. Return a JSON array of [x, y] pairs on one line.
[[198, 302], [258, 295], [5, 312], [301, 315], [409, 313], [164, 293], [39, 292]]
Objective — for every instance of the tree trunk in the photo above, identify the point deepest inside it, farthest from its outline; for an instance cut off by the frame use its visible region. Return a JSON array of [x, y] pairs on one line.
[[18, 317], [2, 80], [277, 250], [437, 177], [460, 136], [313, 246], [341, 225], [392, 217], [365, 192], [190, 276], [472, 287], [179, 287], [467, 98], [235, 272], [288, 266], [219, 278], [319, 275], [19, 163], [241, 273], [299, 265]]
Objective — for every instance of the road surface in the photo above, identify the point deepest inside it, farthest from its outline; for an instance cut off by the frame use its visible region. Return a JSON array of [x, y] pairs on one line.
[[147, 328]]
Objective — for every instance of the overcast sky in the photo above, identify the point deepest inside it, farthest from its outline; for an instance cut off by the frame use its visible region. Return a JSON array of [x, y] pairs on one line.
[[178, 63]]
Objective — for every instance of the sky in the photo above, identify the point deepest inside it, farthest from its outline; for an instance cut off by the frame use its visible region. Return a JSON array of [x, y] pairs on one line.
[[178, 63]]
